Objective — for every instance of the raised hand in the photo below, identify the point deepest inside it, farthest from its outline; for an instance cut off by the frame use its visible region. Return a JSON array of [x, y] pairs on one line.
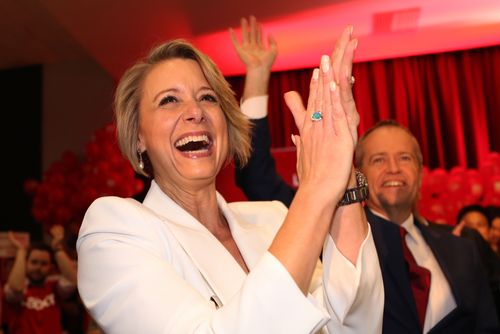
[[12, 237], [342, 57], [325, 146], [57, 233], [252, 50]]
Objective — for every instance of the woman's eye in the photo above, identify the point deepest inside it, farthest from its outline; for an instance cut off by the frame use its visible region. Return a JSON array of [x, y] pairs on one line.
[[209, 98], [167, 99]]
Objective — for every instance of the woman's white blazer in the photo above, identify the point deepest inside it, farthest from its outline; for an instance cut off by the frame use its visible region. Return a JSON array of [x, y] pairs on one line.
[[153, 268]]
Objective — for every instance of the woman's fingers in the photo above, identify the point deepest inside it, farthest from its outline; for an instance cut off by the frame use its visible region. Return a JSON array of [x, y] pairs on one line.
[[338, 115], [342, 59], [294, 102], [346, 96], [345, 69], [338, 52], [326, 81], [311, 101]]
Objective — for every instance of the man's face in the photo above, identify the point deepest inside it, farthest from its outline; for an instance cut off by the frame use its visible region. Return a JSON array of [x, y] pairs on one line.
[[391, 167], [38, 265], [479, 222]]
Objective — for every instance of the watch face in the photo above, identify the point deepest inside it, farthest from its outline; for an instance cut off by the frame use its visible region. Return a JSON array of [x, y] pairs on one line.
[[361, 179]]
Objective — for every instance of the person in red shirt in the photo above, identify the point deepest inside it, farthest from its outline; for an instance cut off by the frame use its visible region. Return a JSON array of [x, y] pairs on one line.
[[31, 293]]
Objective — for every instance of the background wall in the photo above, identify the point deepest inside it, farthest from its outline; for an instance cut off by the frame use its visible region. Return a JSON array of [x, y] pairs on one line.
[[77, 98], [21, 109], [47, 110]]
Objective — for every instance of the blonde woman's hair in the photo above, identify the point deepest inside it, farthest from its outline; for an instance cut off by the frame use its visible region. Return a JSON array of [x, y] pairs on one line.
[[129, 92]]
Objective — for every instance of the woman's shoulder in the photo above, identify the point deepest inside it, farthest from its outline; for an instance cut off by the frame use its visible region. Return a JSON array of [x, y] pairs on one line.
[[111, 213], [113, 204]]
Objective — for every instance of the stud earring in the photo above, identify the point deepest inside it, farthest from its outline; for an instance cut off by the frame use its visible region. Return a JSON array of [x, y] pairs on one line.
[[141, 162]]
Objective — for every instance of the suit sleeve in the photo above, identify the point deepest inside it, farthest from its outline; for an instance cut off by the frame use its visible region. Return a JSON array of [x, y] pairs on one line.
[[486, 315], [258, 178]]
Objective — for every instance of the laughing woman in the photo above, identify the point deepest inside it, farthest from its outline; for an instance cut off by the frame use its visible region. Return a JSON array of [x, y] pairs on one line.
[[186, 261]]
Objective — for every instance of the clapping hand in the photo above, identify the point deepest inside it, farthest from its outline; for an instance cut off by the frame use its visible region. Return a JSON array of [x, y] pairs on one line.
[[328, 126], [342, 57]]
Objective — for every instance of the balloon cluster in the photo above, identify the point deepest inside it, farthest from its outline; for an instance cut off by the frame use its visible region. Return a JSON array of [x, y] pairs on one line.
[[443, 193], [70, 184]]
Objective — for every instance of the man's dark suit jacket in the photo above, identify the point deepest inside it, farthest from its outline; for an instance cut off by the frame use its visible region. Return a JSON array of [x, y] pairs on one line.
[[458, 258]]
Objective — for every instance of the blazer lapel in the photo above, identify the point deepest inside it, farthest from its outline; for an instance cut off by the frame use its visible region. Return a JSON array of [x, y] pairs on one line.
[[217, 266]]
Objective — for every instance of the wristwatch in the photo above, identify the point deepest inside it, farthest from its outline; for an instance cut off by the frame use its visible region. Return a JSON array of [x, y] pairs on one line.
[[357, 194]]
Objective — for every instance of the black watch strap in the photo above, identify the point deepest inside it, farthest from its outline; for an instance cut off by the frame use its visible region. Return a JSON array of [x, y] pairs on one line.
[[357, 194]]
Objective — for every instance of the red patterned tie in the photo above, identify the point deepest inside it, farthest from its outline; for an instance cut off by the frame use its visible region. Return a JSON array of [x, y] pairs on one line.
[[420, 280]]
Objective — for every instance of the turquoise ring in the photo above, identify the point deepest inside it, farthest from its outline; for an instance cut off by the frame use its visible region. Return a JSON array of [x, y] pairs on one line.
[[316, 116]]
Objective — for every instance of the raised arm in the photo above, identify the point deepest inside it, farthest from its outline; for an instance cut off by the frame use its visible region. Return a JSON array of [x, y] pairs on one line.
[[256, 55], [350, 225], [258, 179], [352, 279], [325, 149], [64, 263], [17, 276]]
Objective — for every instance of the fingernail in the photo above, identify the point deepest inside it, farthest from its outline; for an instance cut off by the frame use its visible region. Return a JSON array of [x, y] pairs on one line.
[[351, 29], [293, 139], [316, 73], [333, 86], [355, 43], [325, 63]]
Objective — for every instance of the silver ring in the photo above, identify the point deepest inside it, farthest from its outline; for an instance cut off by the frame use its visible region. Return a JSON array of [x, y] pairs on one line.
[[316, 116]]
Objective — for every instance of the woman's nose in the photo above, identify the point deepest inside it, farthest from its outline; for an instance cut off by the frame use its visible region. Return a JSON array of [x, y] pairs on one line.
[[194, 113]]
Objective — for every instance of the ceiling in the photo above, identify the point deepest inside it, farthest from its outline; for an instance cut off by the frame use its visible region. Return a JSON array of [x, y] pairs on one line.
[[115, 33]]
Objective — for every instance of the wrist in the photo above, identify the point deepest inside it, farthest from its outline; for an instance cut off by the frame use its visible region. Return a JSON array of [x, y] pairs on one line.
[[328, 197], [355, 193], [58, 251], [57, 247], [353, 182], [261, 70], [258, 76]]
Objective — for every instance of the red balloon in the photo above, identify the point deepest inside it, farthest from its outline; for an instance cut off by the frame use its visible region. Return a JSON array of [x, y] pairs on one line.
[[92, 150]]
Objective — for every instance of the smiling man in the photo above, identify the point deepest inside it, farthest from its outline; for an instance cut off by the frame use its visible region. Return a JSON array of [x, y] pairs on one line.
[[390, 157], [433, 281]]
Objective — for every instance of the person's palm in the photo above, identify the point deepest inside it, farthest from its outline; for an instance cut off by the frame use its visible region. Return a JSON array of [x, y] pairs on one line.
[[14, 240], [251, 50], [57, 233]]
